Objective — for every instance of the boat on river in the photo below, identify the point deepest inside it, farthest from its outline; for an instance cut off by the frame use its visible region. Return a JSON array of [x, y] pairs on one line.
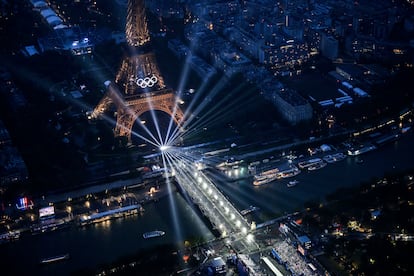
[[292, 183], [265, 177], [291, 172], [317, 166], [153, 234], [332, 158], [249, 210], [361, 149], [54, 259], [307, 163]]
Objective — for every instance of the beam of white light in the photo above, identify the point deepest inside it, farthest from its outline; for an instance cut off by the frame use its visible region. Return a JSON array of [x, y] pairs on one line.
[[180, 160], [211, 94], [182, 157], [172, 204], [155, 119], [176, 160], [114, 94], [156, 144], [184, 173], [178, 156], [45, 84], [195, 193], [118, 100], [219, 112], [170, 124], [188, 119], [113, 122], [200, 91], [183, 80], [201, 176], [186, 177], [154, 141]]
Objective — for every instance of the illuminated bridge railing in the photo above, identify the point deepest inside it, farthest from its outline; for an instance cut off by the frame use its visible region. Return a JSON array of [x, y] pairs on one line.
[[214, 205]]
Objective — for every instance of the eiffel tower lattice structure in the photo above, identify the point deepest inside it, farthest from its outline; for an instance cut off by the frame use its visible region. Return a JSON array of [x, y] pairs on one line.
[[139, 87]]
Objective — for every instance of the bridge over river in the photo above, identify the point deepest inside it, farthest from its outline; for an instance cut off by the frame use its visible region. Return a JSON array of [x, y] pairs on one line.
[[224, 217]]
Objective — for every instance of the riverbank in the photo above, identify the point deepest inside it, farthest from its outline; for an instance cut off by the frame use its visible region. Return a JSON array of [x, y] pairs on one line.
[[358, 225], [82, 207]]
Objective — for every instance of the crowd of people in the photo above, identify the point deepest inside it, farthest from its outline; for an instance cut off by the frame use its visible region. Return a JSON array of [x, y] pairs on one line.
[[294, 263]]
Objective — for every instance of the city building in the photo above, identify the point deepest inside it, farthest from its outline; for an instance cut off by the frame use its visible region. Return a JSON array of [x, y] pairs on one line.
[[248, 42], [202, 68], [166, 8], [39, 4], [231, 62], [349, 72], [246, 266], [292, 106], [48, 15], [284, 55], [329, 46], [5, 138], [72, 39], [305, 242], [12, 166], [181, 51], [178, 48], [214, 267]]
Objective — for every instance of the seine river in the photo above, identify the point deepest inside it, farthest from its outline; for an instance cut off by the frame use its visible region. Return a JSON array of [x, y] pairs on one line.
[[92, 246], [275, 199]]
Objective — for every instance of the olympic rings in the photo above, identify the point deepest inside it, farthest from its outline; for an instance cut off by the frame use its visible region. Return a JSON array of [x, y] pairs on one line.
[[147, 81]]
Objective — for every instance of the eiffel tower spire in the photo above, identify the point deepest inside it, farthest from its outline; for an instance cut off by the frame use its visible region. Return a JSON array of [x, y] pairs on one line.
[[136, 29]]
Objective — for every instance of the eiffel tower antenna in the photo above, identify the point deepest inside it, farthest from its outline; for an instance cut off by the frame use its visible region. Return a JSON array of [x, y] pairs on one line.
[[136, 29]]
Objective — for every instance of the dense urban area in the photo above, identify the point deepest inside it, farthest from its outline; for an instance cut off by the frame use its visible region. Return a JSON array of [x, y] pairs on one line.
[[279, 132]]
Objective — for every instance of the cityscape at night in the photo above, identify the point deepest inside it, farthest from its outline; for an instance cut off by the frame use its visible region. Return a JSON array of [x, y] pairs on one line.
[[211, 137]]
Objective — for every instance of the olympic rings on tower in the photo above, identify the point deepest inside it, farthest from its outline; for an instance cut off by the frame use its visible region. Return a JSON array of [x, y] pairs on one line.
[[147, 81]]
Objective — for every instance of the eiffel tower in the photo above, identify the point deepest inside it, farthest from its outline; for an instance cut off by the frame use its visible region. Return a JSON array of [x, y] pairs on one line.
[[139, 86]]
